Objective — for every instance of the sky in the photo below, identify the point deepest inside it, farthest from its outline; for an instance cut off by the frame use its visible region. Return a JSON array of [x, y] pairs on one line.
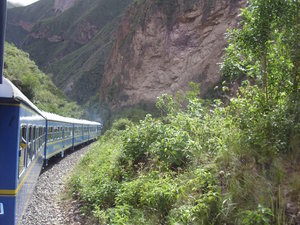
[[23, 2]]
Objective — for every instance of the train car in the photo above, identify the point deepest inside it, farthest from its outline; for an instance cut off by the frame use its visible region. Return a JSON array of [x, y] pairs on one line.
[[64, 133], [59, 134], [22, 144], [29, 136], [85, 130]]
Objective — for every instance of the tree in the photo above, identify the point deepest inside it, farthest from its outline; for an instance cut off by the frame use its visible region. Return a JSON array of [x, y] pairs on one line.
[[267, 46]]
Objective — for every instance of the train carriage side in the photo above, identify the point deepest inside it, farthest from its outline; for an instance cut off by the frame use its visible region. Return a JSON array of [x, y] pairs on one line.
[[64, 132], [22, 142], [78, 134], [85, 131], [59, 134]]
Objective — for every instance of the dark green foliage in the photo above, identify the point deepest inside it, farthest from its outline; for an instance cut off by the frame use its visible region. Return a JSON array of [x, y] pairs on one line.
[[153, 140], [261, 216]]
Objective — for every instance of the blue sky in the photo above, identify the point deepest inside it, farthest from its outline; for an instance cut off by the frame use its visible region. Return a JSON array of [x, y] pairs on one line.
[[23, 2]]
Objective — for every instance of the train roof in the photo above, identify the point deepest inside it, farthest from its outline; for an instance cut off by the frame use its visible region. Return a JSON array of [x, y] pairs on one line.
[[58, 118], [10, 91]]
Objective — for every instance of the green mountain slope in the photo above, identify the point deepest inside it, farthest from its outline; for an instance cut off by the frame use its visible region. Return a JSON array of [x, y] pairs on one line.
[[72, 44], [36, 85]]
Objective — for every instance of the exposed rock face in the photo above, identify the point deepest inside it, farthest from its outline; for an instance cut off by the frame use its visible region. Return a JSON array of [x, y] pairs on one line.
[[25, 25], [169, 46], [69, 39], [63, 5], [84, 32]]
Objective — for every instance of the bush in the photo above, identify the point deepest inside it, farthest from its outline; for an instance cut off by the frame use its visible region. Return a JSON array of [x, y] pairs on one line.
[[260, 216], [159, 193]]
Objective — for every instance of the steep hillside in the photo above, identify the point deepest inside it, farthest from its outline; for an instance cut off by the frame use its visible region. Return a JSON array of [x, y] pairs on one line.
[[160, 46], [36, 85], [163, 45], [70, 39]]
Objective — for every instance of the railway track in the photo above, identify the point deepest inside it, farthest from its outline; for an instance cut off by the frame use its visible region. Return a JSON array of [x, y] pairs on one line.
[[46, 205]]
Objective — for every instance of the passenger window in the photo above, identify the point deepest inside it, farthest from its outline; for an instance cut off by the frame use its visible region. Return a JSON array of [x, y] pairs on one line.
[[54, 134], [29, 145], [49, 138], [33, 142], [40, 137], [22, 149], [60, 133], [44, 133]]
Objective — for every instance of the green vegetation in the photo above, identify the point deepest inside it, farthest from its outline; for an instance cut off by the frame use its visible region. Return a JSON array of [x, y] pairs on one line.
[[36, 85], [204, 162]]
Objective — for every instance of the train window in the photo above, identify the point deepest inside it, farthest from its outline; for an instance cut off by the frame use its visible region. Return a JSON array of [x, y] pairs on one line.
[[54, 133], [44, 134], [59, 132], [40, 137], [22, 149], [49, 138], [51, 134], [33, 142], [29, 145], [48, 133]]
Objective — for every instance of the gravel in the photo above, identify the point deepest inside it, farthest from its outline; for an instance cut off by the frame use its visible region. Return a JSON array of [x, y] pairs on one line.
[[46, 205]]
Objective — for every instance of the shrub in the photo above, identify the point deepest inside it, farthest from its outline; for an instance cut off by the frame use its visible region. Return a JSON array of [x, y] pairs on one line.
[[260, 216], [159, 193]]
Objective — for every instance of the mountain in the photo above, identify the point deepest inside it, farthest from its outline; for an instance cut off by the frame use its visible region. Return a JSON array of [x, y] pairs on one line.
[[126, 53], [71, 39], [162, 45]]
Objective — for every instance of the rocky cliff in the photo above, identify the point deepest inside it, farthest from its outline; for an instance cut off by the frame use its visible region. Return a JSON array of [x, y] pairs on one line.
[[162, 45], [61, 6], [69, 39]]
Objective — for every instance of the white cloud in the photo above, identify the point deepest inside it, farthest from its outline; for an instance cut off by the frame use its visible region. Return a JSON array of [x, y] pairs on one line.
[[23, 2]]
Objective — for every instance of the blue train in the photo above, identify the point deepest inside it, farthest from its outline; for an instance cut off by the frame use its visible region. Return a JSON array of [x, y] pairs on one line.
[[28, 138]]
